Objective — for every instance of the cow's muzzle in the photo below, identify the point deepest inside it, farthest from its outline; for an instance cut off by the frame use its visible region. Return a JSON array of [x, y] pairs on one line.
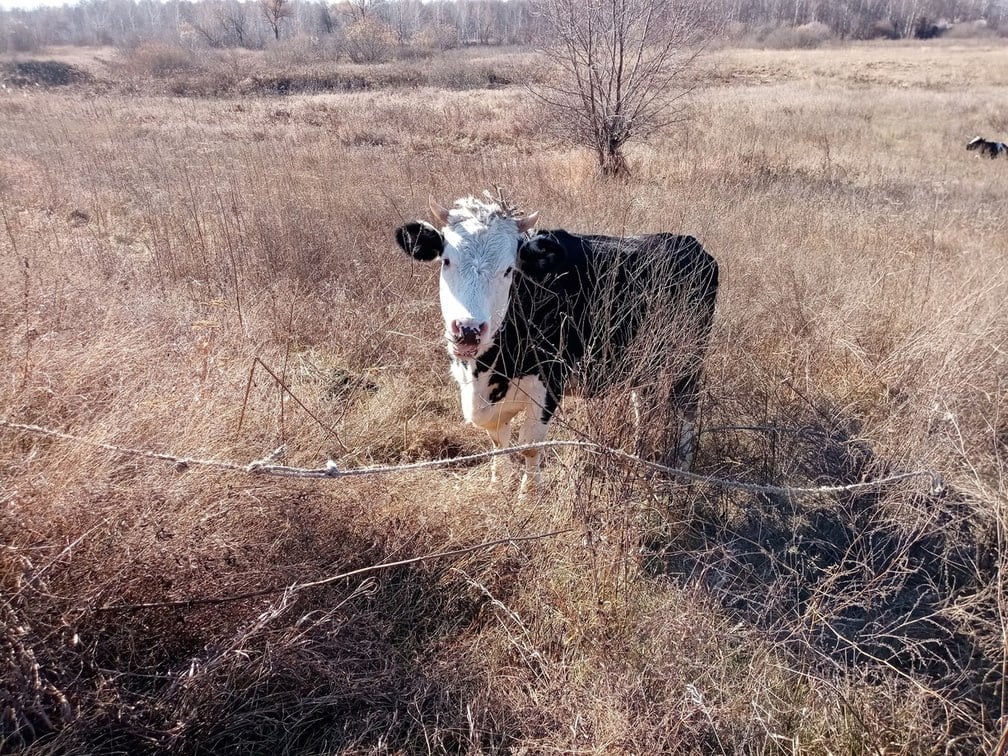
[[464, 337]]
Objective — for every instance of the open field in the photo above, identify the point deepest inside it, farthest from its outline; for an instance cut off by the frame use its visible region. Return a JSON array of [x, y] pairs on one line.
[[159, 250]]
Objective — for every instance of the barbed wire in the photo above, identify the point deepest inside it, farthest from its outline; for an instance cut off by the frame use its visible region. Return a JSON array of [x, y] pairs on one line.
[[267, 465]]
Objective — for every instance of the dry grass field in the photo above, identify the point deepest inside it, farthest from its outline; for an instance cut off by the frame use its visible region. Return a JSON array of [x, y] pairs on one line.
[[215, 277]]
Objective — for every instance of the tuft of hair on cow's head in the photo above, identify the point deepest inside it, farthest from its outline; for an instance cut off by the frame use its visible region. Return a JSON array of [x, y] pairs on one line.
[[478, 247]]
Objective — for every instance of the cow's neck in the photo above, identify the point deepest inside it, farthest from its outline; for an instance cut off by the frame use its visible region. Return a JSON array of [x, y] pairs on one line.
[[515, 354]]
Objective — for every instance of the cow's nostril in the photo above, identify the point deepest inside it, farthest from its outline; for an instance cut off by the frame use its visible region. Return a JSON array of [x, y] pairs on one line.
[[469, 336], [483, 328]]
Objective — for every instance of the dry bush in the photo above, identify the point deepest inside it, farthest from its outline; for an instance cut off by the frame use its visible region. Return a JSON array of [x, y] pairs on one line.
[[216, 278], [160, 59], [621, 71], [368, 40], [884, 29], [969, 30], [303, 51], [813, 34], [433, 38], [264, 74], [463, 75], [20, 37]]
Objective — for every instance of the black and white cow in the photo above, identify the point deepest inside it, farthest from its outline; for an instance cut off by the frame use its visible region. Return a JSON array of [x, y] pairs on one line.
[[987, 147], [530, 316]]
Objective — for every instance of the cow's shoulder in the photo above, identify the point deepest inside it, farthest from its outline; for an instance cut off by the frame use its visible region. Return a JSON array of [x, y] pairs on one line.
[[559, 254], [551, 253]]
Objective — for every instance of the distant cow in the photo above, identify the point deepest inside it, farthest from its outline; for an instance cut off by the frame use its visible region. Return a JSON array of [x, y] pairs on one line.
[[987, 147], [531, 316]]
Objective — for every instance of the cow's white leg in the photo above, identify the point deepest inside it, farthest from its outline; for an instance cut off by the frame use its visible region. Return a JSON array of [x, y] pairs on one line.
[[492, 415], [501, 438], [533, 431]]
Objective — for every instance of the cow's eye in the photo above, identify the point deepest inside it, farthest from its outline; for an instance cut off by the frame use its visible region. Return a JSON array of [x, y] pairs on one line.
[[507, 272], [445, 262]]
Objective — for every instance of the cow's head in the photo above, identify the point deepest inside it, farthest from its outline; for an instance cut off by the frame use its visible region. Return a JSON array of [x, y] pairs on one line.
[[477, 244]]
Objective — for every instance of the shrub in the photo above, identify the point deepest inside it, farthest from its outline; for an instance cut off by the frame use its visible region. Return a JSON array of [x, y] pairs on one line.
[[304, 50], [736, 31], [369, 41], [926, 28], [969, 30], [21, 38], [805, 36], [459, 75], [882, 29], [160, 59], [435, 38]]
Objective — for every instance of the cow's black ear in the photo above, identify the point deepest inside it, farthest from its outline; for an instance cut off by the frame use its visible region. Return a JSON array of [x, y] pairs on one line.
[[540, 255], [420, 240]]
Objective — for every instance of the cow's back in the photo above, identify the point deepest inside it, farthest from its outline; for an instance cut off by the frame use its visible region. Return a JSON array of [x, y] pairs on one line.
[[600, 309]]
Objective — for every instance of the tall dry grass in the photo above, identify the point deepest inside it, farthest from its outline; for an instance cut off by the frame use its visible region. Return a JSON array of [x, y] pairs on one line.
[[216, 277]]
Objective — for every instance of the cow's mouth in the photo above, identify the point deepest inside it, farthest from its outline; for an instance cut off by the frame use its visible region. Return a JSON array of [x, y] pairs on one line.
[[467, 345], [464, 349], [467, 341]]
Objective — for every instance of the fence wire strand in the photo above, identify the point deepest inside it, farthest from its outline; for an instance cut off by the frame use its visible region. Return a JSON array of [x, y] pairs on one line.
[[267, 465]]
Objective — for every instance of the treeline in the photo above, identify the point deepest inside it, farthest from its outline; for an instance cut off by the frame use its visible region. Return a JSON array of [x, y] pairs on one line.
[[254, 24], [370, 29], [869, 19]]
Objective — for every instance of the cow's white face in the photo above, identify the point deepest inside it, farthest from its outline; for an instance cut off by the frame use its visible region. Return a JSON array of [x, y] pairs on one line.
[[477, 247], [476, 270]]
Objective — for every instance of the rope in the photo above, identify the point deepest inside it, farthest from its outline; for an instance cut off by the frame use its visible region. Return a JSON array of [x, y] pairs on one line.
[[267, 466]]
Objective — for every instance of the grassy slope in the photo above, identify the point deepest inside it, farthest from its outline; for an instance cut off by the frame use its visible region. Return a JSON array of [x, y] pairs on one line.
[[155, 247]]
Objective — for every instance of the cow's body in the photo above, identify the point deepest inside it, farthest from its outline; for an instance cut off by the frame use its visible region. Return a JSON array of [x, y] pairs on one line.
[[582, 314], [987, 147]]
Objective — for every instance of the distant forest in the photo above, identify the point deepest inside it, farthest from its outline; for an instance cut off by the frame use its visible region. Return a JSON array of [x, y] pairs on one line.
[[442, 24]]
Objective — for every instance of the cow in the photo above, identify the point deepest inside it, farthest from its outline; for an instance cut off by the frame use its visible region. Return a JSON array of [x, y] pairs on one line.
[[987, 147], [532, 315]]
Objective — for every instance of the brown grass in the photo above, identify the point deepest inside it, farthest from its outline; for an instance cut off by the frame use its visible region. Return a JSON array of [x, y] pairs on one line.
[[155, 247]]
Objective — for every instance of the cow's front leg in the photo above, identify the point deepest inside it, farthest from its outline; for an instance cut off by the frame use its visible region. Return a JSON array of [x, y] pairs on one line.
[[533, 431], [501, 439], [538, 413]]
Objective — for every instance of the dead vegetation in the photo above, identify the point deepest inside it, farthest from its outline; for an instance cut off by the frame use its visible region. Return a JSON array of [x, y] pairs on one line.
[[157, 67], [216, 277], [47, 73]]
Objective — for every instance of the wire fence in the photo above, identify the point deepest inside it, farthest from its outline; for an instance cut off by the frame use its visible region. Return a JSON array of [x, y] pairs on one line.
[[331, 470]]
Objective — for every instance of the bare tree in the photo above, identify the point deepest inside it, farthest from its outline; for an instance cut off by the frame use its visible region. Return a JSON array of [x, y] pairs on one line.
[[232, 18], [275, 12], [623, 69], [361, 9], [326, 18]]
